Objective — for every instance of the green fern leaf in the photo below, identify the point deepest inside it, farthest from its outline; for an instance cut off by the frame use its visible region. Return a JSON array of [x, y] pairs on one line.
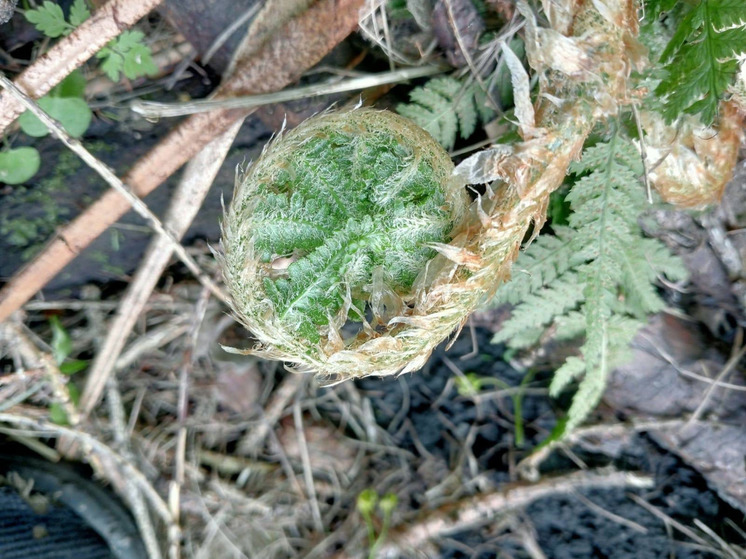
[[546, 304], [447, 108], [701, 58], [595, 278], [549, 257]]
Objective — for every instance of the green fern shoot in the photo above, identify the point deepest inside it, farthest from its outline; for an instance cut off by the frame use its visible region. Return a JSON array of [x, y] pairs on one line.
[[445, 107], [593, 278], [701, 57]]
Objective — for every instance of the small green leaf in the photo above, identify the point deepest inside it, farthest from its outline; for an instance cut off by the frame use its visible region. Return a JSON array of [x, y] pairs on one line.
[[62, 344], [129, 55], [388, 503], [19, 165], [49, 19], [57, 414], [71, 112], [72, 366], [72, 86], [366, 501], [139, 62], [112, 64], [74, 392], [127, 40], [79, 13]]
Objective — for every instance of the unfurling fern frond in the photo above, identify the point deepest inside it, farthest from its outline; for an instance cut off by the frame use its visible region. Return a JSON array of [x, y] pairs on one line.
[[701, 59], [596, 277], [446, 107]]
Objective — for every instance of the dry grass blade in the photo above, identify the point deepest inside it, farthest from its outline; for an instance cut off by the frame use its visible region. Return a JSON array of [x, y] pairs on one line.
[[186, 201], [152, 109]]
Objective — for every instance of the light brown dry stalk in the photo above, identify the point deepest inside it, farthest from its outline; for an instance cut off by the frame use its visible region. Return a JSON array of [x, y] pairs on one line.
[[285, 56], [72, 51], [108, 175], [483, 508], [186, 201], [735, 359], [153, 109], [281, 397]]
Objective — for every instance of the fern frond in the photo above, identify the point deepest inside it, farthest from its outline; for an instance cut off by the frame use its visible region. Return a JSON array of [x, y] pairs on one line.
[[701, 58], [550, 256], [563, 295], [596, 277], [445, 107]]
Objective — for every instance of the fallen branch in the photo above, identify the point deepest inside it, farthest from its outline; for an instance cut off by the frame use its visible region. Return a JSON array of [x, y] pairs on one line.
[[283, 58], [481, 508], [71, 52], [108, 175], [186, 201]]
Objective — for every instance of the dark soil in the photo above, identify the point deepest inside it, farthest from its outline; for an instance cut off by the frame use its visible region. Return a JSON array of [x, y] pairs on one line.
[[437, 423]]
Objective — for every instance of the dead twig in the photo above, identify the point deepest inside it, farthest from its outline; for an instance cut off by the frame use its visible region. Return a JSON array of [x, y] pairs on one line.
[[186, 201], [735, 359], [276, 407], [115, 182], [300, 44], [481, 508], [668, 521], [152, 109], [72, 51]]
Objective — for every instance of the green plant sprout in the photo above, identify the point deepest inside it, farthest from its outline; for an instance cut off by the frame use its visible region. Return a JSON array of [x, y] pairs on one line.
[[62, 346], [471, 384], [367, 502], [126, 55], [305, 238]]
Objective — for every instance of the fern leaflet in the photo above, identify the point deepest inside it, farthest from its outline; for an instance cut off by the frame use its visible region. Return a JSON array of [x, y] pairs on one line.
[[446, 108], [595, 277], [701, 57]]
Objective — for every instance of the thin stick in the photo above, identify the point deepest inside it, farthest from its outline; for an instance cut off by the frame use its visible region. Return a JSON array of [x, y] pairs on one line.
[[306, 461], [481, 508], [729, 366], [643, 154], [275, 408], [655, 511], [598, 509], [228, 31], [187, 200], [108, 175], [151, 109]]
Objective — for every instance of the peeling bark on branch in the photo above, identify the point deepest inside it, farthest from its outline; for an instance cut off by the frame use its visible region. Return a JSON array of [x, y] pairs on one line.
[[72, 51]]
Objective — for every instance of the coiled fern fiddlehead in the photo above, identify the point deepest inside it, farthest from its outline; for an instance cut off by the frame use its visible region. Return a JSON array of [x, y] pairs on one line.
[[357, 216]]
